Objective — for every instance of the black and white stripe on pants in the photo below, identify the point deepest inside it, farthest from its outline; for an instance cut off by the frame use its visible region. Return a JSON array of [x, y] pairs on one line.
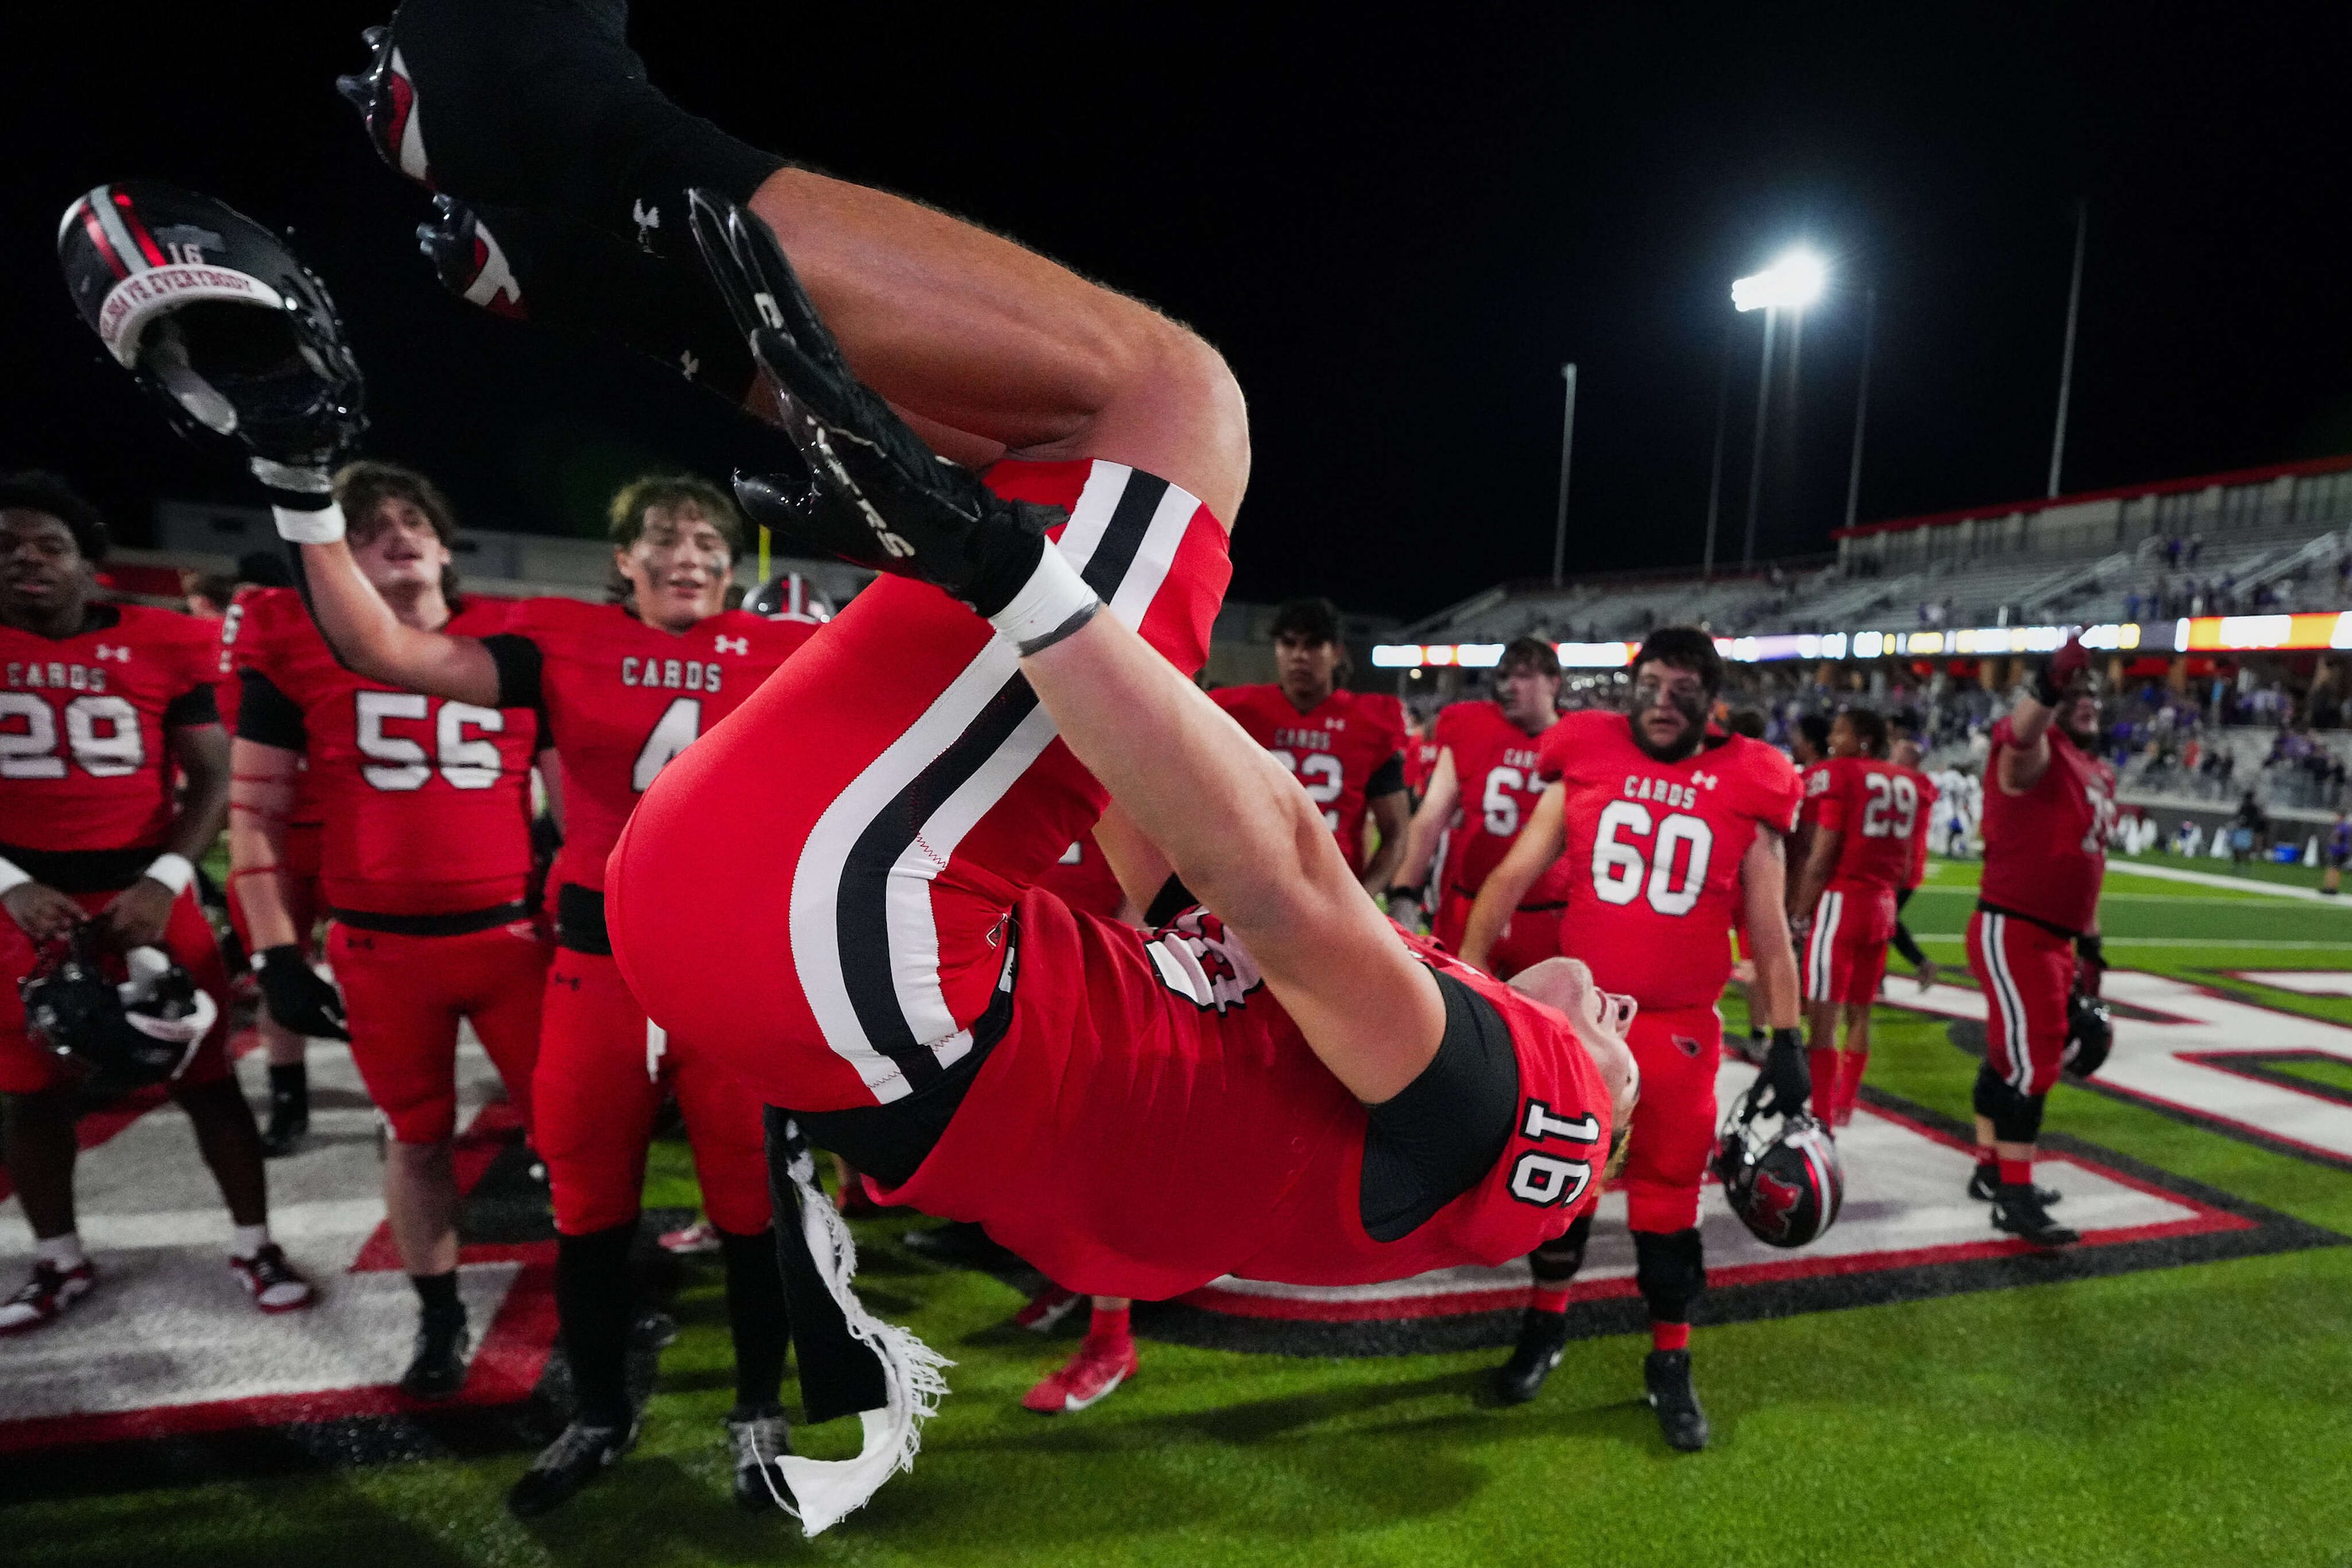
[[1821, 951], [1992, 936], [864, 944]]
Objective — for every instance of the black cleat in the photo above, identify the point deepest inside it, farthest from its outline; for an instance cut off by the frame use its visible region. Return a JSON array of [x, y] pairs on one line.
[[1667, 1376], [1543, 1340], [578, 1457], [437, 1370], [290, 1126], [2019, 1211], [754, 1441], [1985, 1186]]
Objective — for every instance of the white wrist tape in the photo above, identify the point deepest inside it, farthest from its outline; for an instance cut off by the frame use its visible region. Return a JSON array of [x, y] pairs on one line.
[[322, 527], [13, 876], [175, 871], [1053, 603]]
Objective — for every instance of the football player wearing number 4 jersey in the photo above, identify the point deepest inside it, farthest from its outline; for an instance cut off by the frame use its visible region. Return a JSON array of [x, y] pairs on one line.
[[626, 687], [1347, 748], [1866, 819], [424, 861], [1668, 829], [100, 705]]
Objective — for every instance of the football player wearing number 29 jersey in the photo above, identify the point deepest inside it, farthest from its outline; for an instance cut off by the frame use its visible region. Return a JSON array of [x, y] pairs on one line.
[[1668, 831], [626, 687]]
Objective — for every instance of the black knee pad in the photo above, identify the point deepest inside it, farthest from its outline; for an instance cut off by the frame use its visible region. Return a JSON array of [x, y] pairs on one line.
[[1557, 1261], [1670, 1270], [2016, 1118]]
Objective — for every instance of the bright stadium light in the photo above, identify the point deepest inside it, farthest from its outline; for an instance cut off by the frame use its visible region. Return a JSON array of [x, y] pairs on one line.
[[1791, 283]]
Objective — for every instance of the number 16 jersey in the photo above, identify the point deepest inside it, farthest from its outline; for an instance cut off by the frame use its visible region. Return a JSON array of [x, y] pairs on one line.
[[1654, 852], [622, 697]]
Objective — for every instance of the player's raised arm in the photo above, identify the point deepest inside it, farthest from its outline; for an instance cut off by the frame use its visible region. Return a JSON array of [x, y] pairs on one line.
[[2027, 757], [1539, 843], [372, 641]]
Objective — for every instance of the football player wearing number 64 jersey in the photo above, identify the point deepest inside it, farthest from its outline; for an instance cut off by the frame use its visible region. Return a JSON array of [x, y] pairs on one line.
[[1667, 831], [626, 687]]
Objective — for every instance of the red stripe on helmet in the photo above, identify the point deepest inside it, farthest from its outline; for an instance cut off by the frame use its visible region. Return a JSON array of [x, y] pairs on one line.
[[147, 245], [105, 247]]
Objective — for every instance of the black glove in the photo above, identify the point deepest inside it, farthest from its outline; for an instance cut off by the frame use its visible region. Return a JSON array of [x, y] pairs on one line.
[[2066, 666], [1787, 1082], [876, 495], [298, 996], [2090, 964]]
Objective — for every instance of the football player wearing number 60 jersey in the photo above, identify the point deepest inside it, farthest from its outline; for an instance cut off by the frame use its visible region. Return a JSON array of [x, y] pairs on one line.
[[625, 687], [1485, 786], [1666, 831], [1865, 813], [423, 862], [1347, 748]]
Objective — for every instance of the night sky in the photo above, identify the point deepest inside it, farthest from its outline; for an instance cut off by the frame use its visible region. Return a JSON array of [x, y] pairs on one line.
[[1395, 232]]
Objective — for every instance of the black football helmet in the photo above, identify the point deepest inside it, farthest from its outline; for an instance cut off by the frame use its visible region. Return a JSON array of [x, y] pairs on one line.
[[1786, 1187], [788, 597], [2090, 1034], [215, 315], [141, 1029]]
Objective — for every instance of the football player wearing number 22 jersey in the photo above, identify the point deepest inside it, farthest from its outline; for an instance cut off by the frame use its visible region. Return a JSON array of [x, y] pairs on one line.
[[625, 688], [1668, 831]]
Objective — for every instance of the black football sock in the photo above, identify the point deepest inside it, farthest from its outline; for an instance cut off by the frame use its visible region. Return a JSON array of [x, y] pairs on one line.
[[595, 1301], [290, 1084], [437, 1296], [756, 1317], [542, 103], [564, 274]]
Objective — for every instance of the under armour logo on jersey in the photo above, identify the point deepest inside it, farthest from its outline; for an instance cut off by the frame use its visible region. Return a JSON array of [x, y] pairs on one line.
[[646, 218], [114, 651], [732, 645], [1704, 781]]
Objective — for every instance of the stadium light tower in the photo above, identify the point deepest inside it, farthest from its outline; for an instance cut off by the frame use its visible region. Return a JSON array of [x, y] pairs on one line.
[[1791, 283]]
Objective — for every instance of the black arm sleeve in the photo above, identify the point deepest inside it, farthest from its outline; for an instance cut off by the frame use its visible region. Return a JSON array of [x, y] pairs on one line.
[[268, 716], [518, 662], [196, 705], [1172, 899], [1441, 1135], [1388, 778], [1908, 945]]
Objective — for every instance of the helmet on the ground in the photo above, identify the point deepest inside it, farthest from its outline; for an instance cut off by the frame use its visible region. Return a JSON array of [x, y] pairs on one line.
[[213, 314], [1784, 1183], [2090, 1033], [140, 1029], [788, 597]]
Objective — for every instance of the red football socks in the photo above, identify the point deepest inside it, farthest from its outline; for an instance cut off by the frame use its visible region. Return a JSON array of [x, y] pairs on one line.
[[1108, 1326], [1670, 1336], [1850, 1084], [2016, 1172], [1825, 1066], [1548, 1298]]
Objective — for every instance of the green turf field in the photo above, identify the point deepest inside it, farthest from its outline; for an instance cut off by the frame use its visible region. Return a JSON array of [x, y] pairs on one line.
[[2198, 1415]]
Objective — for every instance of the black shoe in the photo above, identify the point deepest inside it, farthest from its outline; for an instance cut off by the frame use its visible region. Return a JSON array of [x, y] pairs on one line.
[[578, 1457], [290, 1125], [1667, 1376], [1543, 1340], [1985, 1185], [437, 1370], [2017, 1210], [754, 1441]]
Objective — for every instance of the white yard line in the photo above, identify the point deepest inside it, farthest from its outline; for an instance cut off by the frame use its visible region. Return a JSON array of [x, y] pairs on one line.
[[2215, 879]]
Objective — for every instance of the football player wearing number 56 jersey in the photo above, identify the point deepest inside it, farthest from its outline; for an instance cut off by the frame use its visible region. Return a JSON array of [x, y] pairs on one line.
[[1667, 831], [625, 688], [1347, 748], [423, 862]]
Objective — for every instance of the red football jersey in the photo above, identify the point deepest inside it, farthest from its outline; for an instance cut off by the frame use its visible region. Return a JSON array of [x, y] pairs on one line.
[[1813, 779], [1420, 764], [1114, 1121], [84, 759], [1495, 764], [1082, 878], [1655, 850], [228, 692], [1340, 749], [1928, 795], [2046, 849], [623, 698], [427, 802], [1876, 806]]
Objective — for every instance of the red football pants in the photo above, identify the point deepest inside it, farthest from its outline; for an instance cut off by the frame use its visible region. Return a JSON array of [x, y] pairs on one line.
[[1532, 935], [816, 891], [602, 1068], [1845, 951], [405, 995], [1675, 1124], [2027, 973], [28, 1066]]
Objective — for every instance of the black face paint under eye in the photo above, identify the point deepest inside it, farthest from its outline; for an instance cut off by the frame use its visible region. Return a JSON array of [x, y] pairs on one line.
[[1691, 706]]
